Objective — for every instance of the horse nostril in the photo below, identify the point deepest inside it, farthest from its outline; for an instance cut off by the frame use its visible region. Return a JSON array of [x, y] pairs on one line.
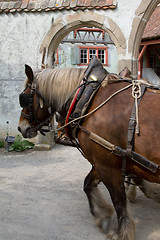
[[19, 129]]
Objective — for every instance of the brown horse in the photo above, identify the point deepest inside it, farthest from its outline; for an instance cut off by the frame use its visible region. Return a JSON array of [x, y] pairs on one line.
[[53, 87]]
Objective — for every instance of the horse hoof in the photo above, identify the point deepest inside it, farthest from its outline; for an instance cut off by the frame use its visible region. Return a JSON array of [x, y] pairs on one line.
[[112, 235], [103, 224]]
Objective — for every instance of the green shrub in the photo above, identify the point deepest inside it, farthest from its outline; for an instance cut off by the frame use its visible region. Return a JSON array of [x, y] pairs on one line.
[[1, 144], [20, 145]]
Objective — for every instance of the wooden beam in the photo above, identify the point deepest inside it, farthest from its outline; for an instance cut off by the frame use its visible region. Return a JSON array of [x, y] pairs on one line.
[[154, 46], [150, 42], [142, 52]]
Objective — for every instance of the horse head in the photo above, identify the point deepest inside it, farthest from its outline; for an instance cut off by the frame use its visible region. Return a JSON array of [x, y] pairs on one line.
[[35, 109], [44, 94]]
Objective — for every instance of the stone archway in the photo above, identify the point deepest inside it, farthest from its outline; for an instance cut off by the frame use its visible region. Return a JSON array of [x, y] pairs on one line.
[[142, 16], [62, 26]]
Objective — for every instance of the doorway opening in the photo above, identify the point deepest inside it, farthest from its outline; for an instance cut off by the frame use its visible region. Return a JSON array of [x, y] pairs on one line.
[[80, 45], [149, 52]]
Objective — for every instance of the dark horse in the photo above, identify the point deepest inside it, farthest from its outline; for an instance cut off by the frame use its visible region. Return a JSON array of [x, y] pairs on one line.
[[47, 91]]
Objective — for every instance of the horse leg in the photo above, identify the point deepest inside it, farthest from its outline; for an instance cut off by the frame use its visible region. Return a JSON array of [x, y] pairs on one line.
[[126, 228], [99, 208], [131, 188], [150, 190], [132, 192]]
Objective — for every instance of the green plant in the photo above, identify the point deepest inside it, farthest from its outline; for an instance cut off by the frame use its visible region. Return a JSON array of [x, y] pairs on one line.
[[20, 145], [1, 144]]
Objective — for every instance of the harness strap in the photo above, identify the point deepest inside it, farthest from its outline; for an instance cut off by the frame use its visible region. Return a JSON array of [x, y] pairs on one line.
[[132, 122], [137, 92], [151, 166], [27, 116]]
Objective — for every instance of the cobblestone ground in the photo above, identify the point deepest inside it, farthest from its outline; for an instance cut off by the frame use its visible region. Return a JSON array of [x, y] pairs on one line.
[[41, 198]]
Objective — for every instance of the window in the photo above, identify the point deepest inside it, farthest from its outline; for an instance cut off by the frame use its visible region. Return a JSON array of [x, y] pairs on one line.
[[92, 52], [86, 53], [83, 56], [101, 55]]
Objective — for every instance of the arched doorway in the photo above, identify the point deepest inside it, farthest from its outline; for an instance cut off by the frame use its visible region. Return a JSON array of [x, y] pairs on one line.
[[78, 47], [143, 15], [61, 28]]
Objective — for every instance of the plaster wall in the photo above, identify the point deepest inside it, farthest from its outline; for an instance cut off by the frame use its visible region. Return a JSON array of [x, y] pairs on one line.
[[24, 36], [20, 40]]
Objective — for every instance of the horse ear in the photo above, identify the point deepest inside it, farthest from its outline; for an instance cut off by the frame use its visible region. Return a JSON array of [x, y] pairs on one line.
[[29, 72]]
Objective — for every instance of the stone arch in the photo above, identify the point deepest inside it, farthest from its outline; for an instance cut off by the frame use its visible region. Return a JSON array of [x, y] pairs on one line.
[[62, 26], [142, 16]]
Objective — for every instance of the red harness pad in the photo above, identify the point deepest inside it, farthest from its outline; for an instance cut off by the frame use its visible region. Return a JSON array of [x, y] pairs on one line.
[[72, 106]]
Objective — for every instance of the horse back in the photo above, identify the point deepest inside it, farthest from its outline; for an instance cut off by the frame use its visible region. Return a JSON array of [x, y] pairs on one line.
[[111, 123]]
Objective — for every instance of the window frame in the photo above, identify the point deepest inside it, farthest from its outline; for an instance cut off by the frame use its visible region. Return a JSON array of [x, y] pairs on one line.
[[95, 48]]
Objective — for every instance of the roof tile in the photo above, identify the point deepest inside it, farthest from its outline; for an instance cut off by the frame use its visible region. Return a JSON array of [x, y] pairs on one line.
[[44, 4], [10, 5], [73, 3], [24, 4], [4, 5], [17, 4], [88, 2], [66, 3], [80, 3], [37, 5], [152, 29], [103, 2], [58, 3], [12, 10], [52, 5], [94, 3], [31, 4]]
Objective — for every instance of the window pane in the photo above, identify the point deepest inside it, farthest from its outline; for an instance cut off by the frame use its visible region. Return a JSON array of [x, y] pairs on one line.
[[101, 55], [83, 56], [92, 52]]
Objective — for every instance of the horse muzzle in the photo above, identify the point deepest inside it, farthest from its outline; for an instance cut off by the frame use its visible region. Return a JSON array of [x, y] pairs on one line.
[[28, 132]]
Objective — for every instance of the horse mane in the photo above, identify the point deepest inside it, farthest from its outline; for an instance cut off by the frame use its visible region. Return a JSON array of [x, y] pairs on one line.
[[110, 78], [56, 85]]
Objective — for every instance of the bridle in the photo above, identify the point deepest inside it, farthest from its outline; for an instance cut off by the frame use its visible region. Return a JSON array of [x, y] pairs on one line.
[[26, 101]]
